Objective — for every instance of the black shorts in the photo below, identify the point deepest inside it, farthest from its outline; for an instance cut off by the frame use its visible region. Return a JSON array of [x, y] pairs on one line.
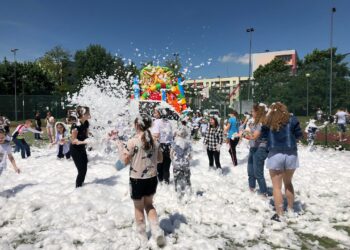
[[142, 187]]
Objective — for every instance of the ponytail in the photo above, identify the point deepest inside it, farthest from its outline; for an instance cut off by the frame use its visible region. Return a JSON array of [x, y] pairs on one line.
[[147, 140]]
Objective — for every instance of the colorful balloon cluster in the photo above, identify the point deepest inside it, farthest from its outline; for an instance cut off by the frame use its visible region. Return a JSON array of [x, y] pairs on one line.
[[159, 84]]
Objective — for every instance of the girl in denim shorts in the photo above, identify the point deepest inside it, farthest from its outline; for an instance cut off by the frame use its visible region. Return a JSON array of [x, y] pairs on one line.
[[282, 159]]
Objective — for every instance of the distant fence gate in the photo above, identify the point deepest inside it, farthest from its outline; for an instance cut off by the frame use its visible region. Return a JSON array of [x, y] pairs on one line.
[[32, 103]]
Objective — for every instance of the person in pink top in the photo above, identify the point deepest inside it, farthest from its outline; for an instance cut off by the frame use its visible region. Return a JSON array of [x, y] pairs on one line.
[[19, 140]]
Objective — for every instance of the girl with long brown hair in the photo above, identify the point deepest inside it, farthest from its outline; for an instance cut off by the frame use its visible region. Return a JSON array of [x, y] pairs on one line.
[[143, 153], [282, 159], [213, 141]]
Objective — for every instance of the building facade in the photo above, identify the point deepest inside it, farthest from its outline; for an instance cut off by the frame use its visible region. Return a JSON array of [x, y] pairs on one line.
[[224, 90], [290, 57]]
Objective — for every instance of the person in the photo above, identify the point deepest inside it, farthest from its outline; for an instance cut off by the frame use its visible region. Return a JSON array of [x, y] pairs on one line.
[[143, 153], [319, 114], [37, 125], [5, 152], [180, 154], [19, 140], [341, 122], [213, 141], [50, 122], [282, 159], [204, 126], [311, 130], [258, 149], [5, 125], [62, 141], [197, 120], [232, 130], [163, 132], [79, 140]]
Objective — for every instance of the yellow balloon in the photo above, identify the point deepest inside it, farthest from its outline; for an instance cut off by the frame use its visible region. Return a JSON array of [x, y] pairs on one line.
[[153, 87], [173, 89]]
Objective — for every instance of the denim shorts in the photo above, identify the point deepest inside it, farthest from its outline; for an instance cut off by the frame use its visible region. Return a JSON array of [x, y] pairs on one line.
[[341, 127], [282, 161]]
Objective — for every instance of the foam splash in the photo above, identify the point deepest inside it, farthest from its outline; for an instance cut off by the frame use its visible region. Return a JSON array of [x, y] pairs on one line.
[[110, 106]]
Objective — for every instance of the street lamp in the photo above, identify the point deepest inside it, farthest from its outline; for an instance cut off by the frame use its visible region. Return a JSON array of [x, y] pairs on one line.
[[14, 56], [23, 80], [307, 93], [250, 31], [331, 63]]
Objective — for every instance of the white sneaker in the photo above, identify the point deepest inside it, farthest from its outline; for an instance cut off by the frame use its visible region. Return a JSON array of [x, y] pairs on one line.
[[158, 235]]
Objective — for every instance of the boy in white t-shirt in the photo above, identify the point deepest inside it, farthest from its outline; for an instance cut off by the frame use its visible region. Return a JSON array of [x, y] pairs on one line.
[[5, 151], [341, 121]]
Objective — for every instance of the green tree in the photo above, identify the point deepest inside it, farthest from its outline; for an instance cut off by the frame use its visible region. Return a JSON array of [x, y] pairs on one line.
[[175, 66], [92, 61], [58, 66], [30, 77], [274, 82]]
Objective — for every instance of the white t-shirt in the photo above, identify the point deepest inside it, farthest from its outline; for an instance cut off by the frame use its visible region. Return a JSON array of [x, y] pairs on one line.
[[164, 129], [5, 150], [341, 117]]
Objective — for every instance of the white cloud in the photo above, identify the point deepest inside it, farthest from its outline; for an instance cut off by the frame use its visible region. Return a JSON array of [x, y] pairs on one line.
[[231, 57]]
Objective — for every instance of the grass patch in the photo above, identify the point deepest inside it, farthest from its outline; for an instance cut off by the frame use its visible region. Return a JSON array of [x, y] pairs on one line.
[[345, 228], [26, 238], [309, 240]]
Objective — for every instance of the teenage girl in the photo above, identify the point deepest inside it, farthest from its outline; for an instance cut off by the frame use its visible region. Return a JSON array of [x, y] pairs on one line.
[[80, 132]]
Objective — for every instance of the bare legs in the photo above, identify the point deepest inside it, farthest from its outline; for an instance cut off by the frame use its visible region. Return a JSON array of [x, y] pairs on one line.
[[277, 176], [142, 205]]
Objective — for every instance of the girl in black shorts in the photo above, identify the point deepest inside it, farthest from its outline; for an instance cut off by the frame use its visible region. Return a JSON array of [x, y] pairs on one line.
[[143, 154]]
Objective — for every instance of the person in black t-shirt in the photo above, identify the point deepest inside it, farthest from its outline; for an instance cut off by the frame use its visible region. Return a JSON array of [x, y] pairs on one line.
[[80, 132], [37, 125]]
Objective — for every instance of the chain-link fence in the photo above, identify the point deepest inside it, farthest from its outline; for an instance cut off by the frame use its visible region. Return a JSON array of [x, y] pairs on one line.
[[27, 106]]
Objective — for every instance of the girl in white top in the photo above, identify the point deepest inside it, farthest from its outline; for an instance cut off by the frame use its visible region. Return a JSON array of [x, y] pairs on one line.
[[5, 152], [143, 153]]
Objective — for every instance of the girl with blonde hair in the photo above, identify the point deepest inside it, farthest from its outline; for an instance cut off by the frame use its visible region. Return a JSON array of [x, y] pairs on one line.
[[282, 159]]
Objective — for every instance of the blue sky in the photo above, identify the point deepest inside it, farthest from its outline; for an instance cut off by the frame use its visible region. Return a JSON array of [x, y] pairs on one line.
[[202, 32]]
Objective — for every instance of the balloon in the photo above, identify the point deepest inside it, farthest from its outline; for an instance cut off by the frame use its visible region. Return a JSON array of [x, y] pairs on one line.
[[168, 86], [163, 85], [153, 87], [158, 85], [173, 89]]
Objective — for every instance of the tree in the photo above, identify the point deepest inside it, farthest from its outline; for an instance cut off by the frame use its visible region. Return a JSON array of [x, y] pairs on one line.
[[59, 67], [30, 76], [274, 82], [92, 61], [175, 66]]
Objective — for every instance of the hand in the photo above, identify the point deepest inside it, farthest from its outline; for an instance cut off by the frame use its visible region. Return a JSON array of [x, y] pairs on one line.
[[75, 142], [41, 132], [218, 147]]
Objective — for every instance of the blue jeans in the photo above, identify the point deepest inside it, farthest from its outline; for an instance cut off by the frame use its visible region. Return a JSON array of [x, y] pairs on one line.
[[23, 146], [256, 159]]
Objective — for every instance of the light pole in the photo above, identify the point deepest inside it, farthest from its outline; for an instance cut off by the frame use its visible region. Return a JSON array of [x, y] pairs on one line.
[[23, 80], [331, 63], [14, 56], [250, 31], [307, 94]]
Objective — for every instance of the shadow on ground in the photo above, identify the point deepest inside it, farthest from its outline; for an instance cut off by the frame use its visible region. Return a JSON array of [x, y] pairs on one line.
[[12, 192]]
